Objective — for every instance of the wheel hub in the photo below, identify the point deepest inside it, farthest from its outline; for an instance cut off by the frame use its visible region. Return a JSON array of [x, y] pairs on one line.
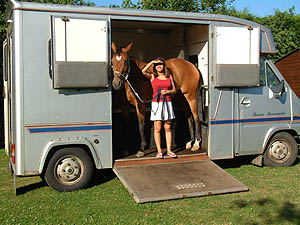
[[69, 169], [279, 150]]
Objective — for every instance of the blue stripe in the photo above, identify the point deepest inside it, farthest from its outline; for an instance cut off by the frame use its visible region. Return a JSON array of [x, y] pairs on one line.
[[251, 120], [296, 117], [68, 129]]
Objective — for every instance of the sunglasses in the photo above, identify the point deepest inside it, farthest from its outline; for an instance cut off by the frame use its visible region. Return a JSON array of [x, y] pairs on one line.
[[158, 64]]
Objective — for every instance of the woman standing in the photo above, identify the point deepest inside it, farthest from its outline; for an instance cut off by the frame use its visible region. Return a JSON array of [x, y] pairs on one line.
[[161, 107]]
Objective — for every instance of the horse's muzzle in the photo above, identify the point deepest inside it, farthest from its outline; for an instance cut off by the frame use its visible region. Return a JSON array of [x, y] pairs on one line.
[[117, 84]]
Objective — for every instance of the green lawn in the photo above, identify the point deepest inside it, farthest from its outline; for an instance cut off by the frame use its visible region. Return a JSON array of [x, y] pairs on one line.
[[274, 198]]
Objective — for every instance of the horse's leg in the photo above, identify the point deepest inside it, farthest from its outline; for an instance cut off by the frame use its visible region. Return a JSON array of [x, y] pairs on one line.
[[191, 129], [124, 106], [194, 109], [140, 110], [181, 101]]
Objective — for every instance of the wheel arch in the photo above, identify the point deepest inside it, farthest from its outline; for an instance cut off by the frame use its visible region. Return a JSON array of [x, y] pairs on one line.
[[273, 131], [55, 145]]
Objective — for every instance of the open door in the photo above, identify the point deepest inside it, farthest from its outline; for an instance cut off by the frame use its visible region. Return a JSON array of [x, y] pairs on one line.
[[5, 94], [7, 79], [80, 53], [237, 52]]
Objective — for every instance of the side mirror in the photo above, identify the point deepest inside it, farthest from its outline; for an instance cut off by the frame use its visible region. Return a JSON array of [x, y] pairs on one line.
[[282, 90]]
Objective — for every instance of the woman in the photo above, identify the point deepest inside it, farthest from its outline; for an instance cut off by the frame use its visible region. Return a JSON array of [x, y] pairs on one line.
[[161, 107]]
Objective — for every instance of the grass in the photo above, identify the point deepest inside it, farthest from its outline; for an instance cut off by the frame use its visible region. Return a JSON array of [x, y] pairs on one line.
[[274, 198]]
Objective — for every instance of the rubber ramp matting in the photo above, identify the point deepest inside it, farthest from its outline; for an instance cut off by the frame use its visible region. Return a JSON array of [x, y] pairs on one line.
[[174, 179]]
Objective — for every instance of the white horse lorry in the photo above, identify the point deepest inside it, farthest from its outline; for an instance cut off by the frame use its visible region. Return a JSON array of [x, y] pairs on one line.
[[58, 93]]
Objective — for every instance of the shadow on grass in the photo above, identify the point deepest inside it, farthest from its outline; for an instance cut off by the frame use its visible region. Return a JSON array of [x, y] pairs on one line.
[[99, 177], [286, 213], [242, 160], [290, 212], [234, 163], [30, 187], [102, 176]]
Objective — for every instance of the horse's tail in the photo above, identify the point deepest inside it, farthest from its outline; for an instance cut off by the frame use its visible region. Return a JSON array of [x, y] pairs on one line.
[[200, 96]]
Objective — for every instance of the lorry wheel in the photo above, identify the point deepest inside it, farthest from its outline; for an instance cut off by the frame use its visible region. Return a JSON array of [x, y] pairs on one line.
[[69, 169], [281, 151]]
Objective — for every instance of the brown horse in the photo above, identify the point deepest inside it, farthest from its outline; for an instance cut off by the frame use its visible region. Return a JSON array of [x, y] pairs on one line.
[[127, 72]]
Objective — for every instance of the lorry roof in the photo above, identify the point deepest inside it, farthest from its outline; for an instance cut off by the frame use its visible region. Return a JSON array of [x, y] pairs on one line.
[[138, 14]]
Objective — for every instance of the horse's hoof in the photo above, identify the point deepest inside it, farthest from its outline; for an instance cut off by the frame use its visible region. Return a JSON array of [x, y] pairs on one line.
[[196, 146], [188, 145], [140, 154]]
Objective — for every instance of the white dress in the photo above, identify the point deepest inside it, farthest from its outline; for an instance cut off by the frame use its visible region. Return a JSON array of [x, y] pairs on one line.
[[159, 111]]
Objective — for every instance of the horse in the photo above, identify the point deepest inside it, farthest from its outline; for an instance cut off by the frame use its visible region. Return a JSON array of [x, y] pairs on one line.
[[127, 73]]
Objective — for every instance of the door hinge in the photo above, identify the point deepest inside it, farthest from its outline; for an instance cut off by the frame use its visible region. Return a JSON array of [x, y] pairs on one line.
[[65, 19], [212, 35]]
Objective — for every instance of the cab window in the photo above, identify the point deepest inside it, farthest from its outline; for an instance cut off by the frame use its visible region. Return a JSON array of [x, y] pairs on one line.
[[262, 72], [272, 80]]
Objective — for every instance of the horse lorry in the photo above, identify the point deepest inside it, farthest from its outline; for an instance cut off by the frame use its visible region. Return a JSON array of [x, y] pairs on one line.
[[58, 93]]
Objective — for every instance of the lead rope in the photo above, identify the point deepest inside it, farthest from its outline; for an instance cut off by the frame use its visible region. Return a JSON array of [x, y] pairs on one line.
[[164, 98], [164, 103], [157, 96]]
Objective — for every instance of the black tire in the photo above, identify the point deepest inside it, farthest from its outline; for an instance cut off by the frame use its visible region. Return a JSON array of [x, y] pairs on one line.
[[281, 151], [69, 169]]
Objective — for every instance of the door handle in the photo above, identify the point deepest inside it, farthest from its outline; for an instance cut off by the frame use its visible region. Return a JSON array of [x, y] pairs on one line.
[[246, 101]]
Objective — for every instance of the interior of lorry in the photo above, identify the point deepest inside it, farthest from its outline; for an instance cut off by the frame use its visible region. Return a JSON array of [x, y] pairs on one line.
[[151, 40]]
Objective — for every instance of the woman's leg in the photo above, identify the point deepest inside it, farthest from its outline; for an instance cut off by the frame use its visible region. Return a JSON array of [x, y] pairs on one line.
[[157, 129], [168, 131]]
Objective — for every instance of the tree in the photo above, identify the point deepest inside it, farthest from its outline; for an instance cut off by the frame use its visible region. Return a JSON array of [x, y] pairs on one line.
[[216, 6], [285, 27], [244, 14], [2, 21], [66, 2], [169, 5]]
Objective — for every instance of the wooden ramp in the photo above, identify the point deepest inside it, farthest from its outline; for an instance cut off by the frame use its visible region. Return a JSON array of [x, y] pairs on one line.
[[152, 179]]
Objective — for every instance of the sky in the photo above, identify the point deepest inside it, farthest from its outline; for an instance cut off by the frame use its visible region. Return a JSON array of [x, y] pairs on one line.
[[257, 7]]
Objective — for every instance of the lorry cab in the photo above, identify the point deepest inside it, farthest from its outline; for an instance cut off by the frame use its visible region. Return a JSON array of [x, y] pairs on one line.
[[252, 110], [263, 119]]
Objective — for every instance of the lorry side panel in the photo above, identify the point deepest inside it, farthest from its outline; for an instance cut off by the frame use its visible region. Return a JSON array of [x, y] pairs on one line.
[[56, 114]]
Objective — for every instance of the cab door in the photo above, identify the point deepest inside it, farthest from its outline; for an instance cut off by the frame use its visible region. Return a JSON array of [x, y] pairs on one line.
[[262, 108], [235, 64]]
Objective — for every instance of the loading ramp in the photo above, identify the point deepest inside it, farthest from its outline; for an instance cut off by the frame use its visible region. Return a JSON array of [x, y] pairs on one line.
[[151, 179]]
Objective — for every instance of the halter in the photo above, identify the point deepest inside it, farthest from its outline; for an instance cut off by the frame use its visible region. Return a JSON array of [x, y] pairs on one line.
[[122, 76]]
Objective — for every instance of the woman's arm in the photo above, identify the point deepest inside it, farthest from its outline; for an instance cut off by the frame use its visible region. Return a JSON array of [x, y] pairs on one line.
[[148, 75], [171, 91]]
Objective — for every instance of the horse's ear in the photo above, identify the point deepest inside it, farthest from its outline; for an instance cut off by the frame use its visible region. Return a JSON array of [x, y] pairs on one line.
[[127, 49], [114, 47]]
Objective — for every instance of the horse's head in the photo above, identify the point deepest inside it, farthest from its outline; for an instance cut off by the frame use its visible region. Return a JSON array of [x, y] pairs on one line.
[[121, 65]]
